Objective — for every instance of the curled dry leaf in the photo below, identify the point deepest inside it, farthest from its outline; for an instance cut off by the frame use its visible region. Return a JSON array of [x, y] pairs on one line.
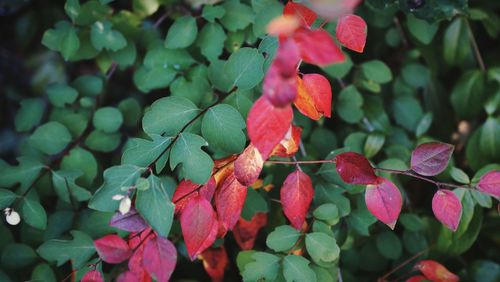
[[229, 200], [383, 199], [490, 183], [215, 262], [351, 32], [290, 144], [434, 271], [245, 232], [296, 195], [447, 208], [112, 249], [248, 166], [267, 125], [314, 97], [431, 158], [354, 168]]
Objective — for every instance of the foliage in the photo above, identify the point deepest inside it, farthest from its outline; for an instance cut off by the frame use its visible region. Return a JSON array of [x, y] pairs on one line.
[[254, 139]]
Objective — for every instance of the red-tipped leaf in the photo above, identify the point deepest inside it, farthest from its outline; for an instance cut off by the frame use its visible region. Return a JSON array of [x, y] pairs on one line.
[[383, 199], [351, 32], [354, 168], [296, 195], [245, 232], [431, 158], [112, 249], [92, 276], [490, 183], [159, 258], [436, 272], [317, 47], [447, 208], [314, 97], [267, 125], [229, 200]]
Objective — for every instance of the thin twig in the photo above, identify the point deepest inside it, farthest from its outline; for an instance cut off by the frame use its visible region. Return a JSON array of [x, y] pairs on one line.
[[477, 53], [401, 265], [300, 162]]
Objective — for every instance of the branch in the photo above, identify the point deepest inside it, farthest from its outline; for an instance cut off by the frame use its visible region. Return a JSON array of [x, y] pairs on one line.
[[473, 42]]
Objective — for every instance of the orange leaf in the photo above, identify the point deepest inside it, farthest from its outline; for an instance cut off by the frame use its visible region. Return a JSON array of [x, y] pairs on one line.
[[435, 271], [290, 144], [314, 96], [245, 232]]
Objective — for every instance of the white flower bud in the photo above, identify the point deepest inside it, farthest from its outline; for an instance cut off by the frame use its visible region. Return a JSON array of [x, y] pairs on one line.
[[118, 197], [125, 205], [13, 218]]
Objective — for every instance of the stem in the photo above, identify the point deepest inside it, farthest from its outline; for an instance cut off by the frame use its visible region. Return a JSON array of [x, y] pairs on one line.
[[414, 175], [383, 278], [301, 162], [477, 53]]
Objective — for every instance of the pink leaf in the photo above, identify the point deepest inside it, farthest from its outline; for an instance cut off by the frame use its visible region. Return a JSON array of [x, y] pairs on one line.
[[431, 158], [248, 166], [490, 183], [351, 32], [112, 249], [92, 276], [267, 125], [229, 200], [317, 47], [131, 221], [447, 208], [383, 199], [306, 15], [296, 196], [159, 258], [354, 168], [199, 225], [185, 189]]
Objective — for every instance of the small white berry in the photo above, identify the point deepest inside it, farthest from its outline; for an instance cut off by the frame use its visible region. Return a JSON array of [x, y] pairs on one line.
[[125, 205], [118, 197], [13, 218]]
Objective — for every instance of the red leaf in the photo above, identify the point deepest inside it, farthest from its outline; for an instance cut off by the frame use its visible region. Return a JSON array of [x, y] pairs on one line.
[[431, 158], [112, 249], [435, 271], [229, 200], [447, 208], [130, 276], [199, 225], [296, 196], [215, 262], [384, 201], [245, 232], [490, 183], [306, 15], [280, 82], [354, 168], [290, 144], [317, 47], [159, 258], [314, 96], [92, 276], [417, 278], [248, 166], [351, 32], [184, 192], [267, 125]]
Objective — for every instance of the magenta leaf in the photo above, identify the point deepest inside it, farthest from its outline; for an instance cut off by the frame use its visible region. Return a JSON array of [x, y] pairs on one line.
[[384, 201], [354, 168], [112, 249], [92, 276], [159, 258], [431, 158], [490, 183], [131, 221], [447, 208]]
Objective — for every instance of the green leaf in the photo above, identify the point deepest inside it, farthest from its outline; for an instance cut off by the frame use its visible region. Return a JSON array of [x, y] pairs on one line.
[[422, 30], [196, 165], [218, 77], [376, 71], [411, 222], [61, 94], [181, 33], [131, 111], [321, 247], [82, 160], [51, 138], [29, 115], [296, 269], [210, 13], [339, 70], [424, 124], [17, 256], [211, 41], [142, 152], [283, 238], [124, 57], [43, 272], [151, 78], [196, 90], [66, 188], [175, 59], [407, 112], [349, 105], [456, 44], [222, 127], [62, 38], [107, 119], [389, 245], [116, 180], [25, 173], [237, 16], [103, 142], [79, 250], [145, 7], [254, 203], [103, 37], [265, 266], [155, 206], [33, 213], [88, 85], [327, 212], [6, 198], [263, 17], [244, 68], [361, 219], [459, 175], [469, 94], [489, 140], [168, 116], [330, 193], [416, 75]]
